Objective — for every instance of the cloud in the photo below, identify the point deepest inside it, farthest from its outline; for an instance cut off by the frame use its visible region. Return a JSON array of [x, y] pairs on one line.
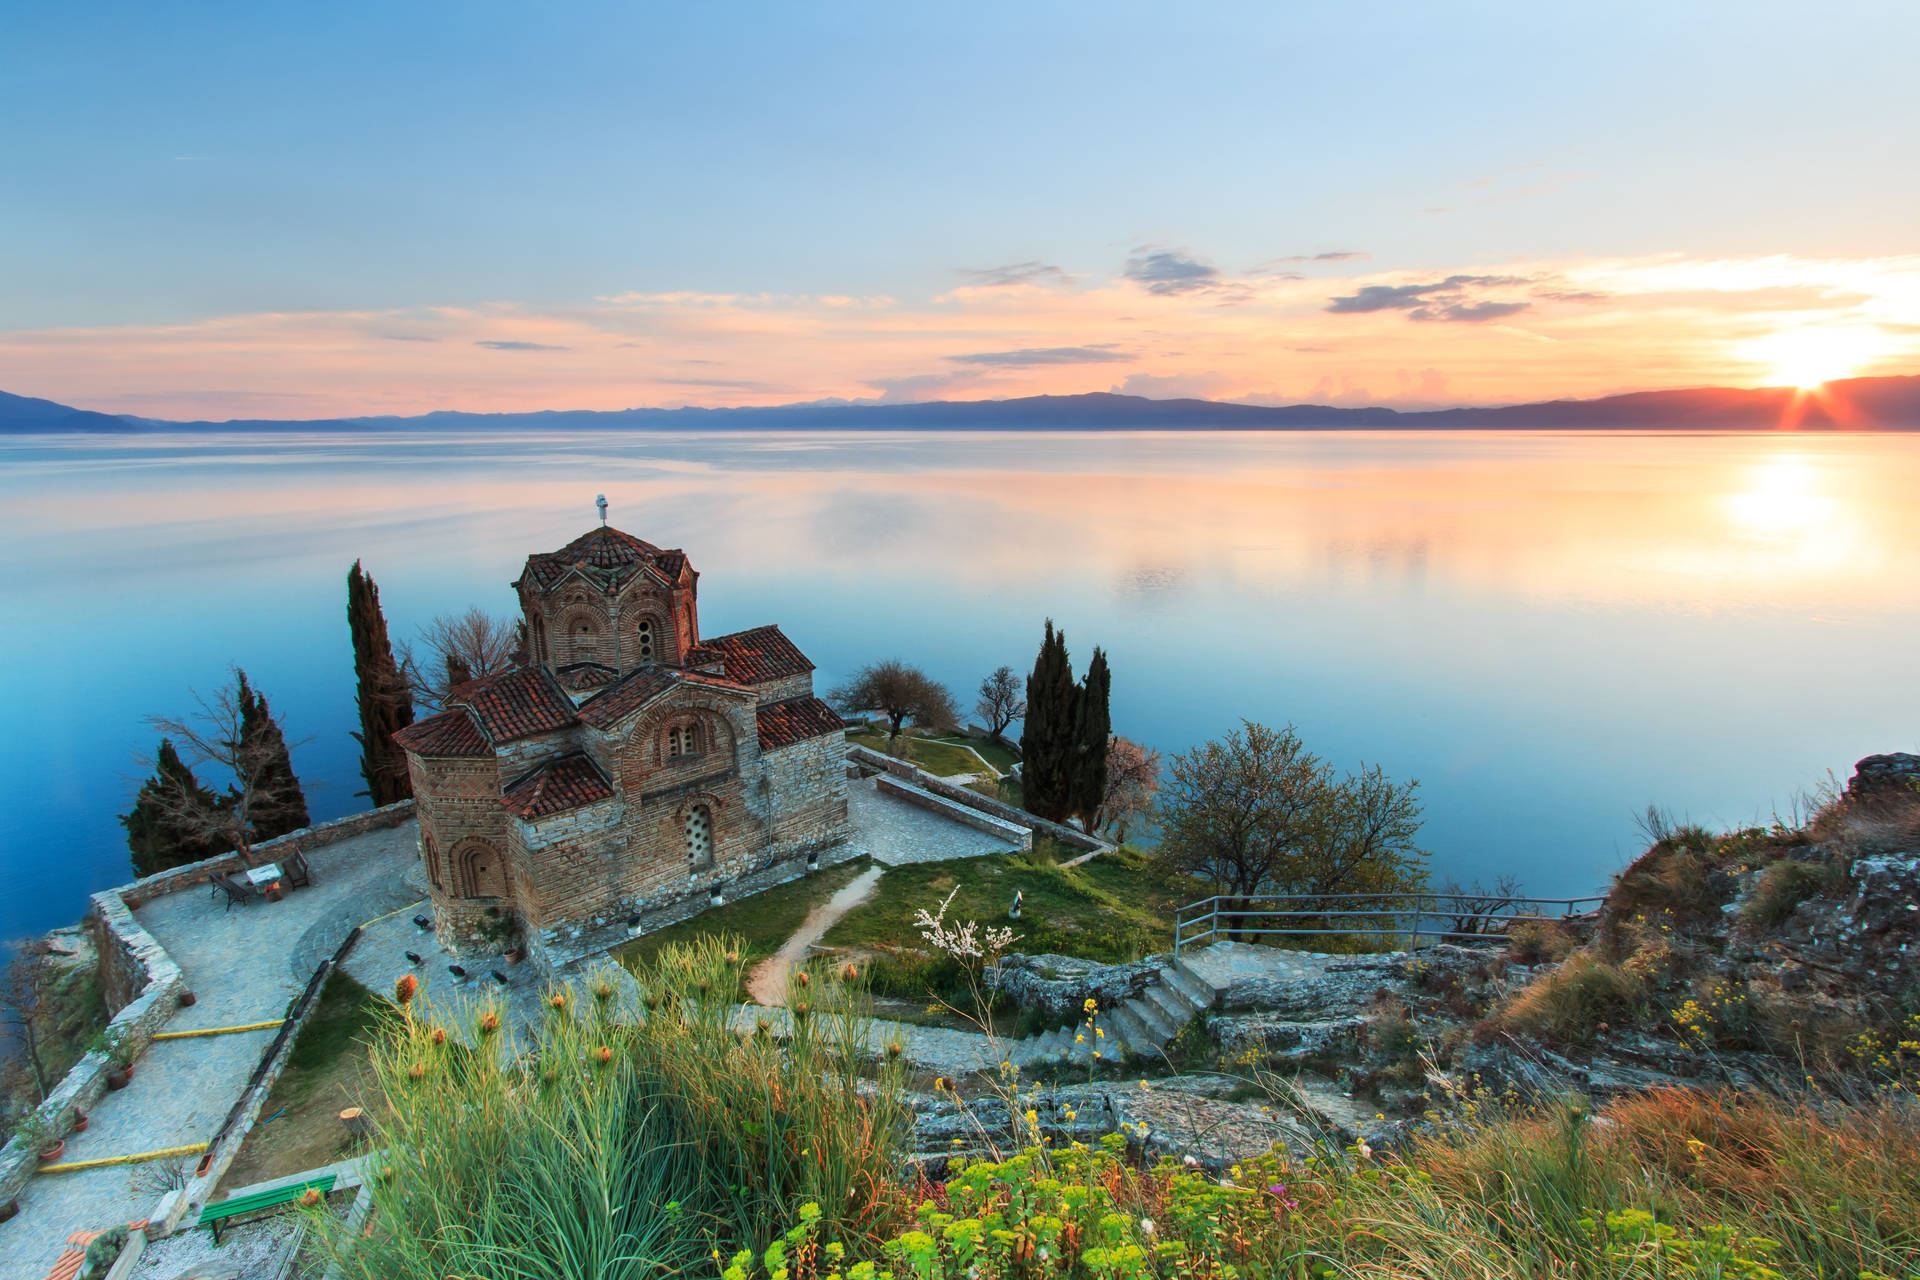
[[732, 384], [493, 345], [1175, 386], [1337, 255], [407, 337], [1026, 357], [925, 386], [1013, 273], [1442, 300], [1468, 312], [1170, 271]]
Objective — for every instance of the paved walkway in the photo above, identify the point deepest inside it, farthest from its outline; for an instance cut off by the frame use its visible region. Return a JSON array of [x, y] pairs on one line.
[[246, 965], [894, 833]]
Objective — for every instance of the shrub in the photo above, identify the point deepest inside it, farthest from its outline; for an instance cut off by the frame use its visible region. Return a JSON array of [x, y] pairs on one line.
[[622, 1148], [1569, 1004], [1785, 885], [1535, 941]]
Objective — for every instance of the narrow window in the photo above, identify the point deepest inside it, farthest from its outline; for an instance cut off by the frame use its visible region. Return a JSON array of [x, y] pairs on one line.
[[683, 740], [645, 632], [699, 838]]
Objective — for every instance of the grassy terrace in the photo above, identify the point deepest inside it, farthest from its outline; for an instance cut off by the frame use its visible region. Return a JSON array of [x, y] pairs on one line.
[[761, 923], [943, 757], [1113, 908]]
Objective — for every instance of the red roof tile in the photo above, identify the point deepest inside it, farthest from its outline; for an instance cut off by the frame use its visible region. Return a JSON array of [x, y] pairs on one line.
[[757, 656], [451, 733], [564, 783], [607, 555], [797, 719], [517, 704], [607, 707], [578, 677]]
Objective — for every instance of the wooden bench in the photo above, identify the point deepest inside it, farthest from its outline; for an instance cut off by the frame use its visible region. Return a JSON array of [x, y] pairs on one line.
[[214, 1216]]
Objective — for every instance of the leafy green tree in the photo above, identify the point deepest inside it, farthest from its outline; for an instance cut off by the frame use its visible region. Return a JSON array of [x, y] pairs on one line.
[[1092, 731], [1256, 812], [167, 826], [385, 704], [1047, 735], [279, 805]]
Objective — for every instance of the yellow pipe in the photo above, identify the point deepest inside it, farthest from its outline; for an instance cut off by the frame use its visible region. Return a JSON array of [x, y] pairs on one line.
[[219, 1031], [74, 1166]]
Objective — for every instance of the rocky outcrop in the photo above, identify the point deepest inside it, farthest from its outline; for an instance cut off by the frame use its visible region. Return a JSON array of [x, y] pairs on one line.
[[1060, 986], [1884, 775]]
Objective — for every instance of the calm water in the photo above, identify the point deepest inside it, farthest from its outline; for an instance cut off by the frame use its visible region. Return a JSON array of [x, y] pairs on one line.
[[1549, 631]]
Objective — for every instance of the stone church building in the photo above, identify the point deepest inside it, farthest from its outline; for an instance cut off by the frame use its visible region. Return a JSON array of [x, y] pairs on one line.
[[632, 773]]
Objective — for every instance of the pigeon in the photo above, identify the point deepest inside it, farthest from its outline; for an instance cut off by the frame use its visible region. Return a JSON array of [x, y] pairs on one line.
[[413, 957], [456, 971], [500, 977], [423, 922]]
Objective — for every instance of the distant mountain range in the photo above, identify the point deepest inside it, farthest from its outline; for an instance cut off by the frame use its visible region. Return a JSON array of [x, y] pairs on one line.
[[1884, 404]]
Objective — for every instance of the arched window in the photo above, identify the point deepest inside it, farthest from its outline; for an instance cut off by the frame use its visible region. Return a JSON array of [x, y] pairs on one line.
[[644, 632], [683, 740], [699, 838], [585, 638], [477, 870]]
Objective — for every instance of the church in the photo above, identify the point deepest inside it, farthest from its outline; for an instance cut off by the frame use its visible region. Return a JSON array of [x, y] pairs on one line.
[[631, 773]]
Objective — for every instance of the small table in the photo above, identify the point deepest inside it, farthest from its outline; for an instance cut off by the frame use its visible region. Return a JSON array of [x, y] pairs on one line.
[[268, 880]]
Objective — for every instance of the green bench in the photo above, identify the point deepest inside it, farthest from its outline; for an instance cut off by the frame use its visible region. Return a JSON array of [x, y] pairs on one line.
[[214, 1216]]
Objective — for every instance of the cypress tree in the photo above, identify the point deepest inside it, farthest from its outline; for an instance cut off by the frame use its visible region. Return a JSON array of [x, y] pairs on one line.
[[386, 706], [1046, 740], [279, 805], [1092, 727], [157, 835]]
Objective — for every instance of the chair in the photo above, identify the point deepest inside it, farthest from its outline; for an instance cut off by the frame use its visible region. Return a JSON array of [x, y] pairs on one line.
[[236, 890], [294, 868]]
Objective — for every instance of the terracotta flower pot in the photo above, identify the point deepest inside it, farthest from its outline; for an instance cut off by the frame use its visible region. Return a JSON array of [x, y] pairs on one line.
[[120, 1079], [80, 1121], [187, 999], [51, 1153], [8, 1210]]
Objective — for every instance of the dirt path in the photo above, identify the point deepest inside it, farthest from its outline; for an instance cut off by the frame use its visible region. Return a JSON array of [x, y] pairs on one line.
[[767, 984]]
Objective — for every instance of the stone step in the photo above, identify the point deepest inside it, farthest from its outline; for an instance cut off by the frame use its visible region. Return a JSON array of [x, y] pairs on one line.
[[1159, 1026], [1196, 990], [1124, 1025], [1178, 1009], [1202, 986]]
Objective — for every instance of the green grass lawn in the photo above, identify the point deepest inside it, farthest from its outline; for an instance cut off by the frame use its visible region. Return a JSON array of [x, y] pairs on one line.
[[1114, 908], [996, 755], [942, 759], [762, 922]]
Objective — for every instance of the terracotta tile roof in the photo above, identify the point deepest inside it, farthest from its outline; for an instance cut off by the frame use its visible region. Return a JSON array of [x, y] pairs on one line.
[[607, 555], [797, 719], [758, 656], [635, 689], [581, 676], [451, 733], [517, 704], [560, 784]]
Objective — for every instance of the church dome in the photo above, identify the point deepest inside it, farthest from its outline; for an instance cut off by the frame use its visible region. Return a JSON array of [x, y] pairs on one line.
[[606, 555]]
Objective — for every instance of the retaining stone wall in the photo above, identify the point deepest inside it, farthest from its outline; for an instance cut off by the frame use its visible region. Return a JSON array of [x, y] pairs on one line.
[[1069, 836], [145, 890]]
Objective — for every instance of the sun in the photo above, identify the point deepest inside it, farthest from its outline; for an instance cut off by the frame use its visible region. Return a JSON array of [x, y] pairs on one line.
[[1808, 357]]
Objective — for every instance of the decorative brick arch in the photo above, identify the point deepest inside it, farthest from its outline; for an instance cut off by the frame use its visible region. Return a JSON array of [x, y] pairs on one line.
[[478, 869], [584, 635], [714, 731]]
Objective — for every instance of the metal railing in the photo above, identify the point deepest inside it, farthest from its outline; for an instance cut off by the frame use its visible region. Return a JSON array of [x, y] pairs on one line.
[[1406, 918]]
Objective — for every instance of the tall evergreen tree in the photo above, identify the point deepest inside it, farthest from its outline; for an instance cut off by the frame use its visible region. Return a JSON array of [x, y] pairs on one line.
[[1092, 727], [1046, 740], [280, 806], [386, 706], [162, 830]]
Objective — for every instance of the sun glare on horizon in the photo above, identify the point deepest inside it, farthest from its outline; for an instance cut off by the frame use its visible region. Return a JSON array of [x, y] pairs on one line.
[[1808, 357]]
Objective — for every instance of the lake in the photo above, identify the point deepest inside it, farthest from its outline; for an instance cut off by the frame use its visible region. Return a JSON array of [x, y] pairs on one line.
[[1549, 631]]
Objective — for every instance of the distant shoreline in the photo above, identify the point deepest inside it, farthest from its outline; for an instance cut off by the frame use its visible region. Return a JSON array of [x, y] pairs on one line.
[[1889, 404]]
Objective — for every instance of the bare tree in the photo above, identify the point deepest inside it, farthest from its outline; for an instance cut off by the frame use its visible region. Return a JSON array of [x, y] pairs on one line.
[[25, 994], [898, 692], [259, 778], [1478, 909], [1003, 699], [1133, 779], [455, 648]]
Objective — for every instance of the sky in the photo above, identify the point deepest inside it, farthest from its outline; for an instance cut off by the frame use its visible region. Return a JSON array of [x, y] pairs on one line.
[[223, 210]]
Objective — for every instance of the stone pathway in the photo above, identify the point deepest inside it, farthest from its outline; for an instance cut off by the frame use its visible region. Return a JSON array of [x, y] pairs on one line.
[[243, 965], [767, 984], [894, 833]]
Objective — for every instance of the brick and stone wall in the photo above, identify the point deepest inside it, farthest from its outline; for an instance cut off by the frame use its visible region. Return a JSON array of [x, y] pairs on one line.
[[807, 794], [306, 839]]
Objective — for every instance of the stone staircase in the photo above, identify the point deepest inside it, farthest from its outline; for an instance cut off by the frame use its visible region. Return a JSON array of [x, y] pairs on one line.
[[1138, 1028]]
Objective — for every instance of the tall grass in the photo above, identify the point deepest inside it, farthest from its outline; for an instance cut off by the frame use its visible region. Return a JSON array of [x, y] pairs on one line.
[[618, 1147]]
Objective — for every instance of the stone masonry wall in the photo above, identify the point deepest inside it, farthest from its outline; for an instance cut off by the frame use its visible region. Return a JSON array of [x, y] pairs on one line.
[[807, 794], [158, 885]]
